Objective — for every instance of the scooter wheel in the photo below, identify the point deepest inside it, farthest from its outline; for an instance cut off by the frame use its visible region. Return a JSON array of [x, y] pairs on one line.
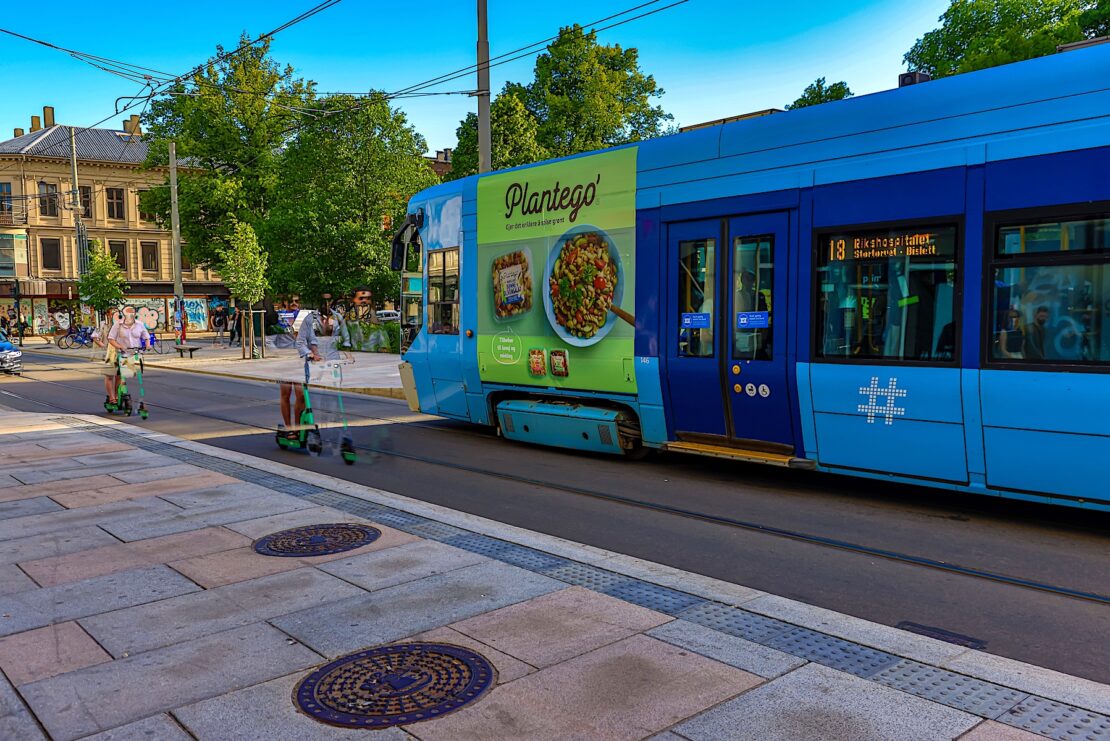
[[313, 442], [347, 449], [143, 414]]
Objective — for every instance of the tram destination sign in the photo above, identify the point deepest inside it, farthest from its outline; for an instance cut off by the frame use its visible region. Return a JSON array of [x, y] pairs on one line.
[[888, 244]]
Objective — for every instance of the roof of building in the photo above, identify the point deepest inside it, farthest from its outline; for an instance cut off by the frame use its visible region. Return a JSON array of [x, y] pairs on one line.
[[102, 145]]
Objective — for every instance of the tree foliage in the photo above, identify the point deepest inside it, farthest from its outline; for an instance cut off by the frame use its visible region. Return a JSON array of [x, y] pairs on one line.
[[230, 122], [103, 287], [976, 34], [242, 264], [343, 183], [583, 96], [818, 92]]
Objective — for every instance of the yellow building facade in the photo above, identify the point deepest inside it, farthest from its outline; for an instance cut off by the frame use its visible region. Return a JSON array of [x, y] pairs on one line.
[[39, 261]]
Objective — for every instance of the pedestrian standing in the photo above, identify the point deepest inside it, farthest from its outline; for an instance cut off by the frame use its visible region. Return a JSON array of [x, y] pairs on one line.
[[235, 320], [219, 322]]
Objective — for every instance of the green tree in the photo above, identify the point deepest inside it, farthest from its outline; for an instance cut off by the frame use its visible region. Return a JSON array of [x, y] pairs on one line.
[[242, 264], [976, 34], [818, 93], [103, 287], [583, 96], [230, 122], [344, 184], [513, 132]]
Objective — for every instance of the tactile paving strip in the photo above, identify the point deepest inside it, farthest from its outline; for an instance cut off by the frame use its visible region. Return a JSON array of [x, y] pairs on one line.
[[833, 652], [589, 577], [1058, 721], [735, 622], [955, 690], [653, 596], [435, 530]]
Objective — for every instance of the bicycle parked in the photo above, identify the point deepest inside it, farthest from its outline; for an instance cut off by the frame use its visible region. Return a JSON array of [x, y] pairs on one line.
[[80, 336]]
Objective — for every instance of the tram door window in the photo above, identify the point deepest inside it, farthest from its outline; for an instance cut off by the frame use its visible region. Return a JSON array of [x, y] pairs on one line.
[[443, 291], [887, 294], [1050, 302], [752, 283], [697, 270]]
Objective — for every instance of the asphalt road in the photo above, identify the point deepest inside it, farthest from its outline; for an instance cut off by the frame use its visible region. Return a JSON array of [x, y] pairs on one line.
[[778, 540]]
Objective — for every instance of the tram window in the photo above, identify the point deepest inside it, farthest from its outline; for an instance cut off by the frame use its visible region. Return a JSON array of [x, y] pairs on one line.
[[752, 280], [443, 291], [1050, 299], [697, 278], [887, 294]]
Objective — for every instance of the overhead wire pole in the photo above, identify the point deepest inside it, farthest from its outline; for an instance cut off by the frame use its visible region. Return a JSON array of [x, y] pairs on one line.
[[485, 159], [175, 226], [81, 241]]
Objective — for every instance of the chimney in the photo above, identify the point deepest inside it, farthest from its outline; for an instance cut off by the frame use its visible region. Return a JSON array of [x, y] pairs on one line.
[[47, 116], [19, 132], [447, 154], [131, 125], [36, 125]]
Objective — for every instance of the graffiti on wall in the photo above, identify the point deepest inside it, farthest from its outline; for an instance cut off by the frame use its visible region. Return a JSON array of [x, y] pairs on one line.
[[196, 309]]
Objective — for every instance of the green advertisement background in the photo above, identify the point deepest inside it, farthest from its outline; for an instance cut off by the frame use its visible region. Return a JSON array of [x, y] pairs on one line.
[[504, 344]]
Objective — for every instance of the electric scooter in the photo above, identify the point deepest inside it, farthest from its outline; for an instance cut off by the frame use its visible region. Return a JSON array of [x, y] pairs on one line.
[[124, 404], [306, 435]]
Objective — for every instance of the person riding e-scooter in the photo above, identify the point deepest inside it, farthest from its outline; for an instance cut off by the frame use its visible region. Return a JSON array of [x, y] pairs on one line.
[[308, 348], [126, 335]]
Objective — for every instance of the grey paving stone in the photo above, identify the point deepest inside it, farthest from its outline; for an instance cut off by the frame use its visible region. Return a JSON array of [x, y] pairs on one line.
[[58, 472], [169, 621], [100, 514], [105, 696], [180, 521], [89, 597], [125, 458], [168, 471], [751, 657], [155, 728], [266, 712], [817, 703], [407, 609], [12, 579], [53, 544], [403, 563], [16, 721], [313, 515], [224, 495], [25, 507], [6, 481]]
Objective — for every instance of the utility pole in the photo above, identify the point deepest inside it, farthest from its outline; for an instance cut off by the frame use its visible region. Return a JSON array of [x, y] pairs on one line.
[[485, 160], [175, 225], [81, 238]]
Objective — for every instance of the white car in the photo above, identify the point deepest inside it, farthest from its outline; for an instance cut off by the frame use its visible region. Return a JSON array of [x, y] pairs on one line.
[[388, 315]]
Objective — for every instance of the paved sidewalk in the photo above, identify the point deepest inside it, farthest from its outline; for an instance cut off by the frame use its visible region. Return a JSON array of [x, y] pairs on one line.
[[133, 605], [375, 374]]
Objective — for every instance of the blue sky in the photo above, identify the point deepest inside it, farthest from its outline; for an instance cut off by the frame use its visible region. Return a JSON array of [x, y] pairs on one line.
[[714, 58]]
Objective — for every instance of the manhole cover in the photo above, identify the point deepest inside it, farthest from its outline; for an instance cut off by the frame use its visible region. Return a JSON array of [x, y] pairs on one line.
[[394, 685], [316, 540]]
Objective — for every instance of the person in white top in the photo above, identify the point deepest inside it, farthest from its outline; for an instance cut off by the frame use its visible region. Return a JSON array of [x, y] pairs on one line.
[[125, 335]]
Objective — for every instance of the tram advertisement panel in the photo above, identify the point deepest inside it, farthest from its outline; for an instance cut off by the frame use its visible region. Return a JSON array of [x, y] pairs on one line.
[[556, 274]]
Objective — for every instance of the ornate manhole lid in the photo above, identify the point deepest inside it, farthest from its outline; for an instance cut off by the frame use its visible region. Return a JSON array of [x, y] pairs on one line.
[[316, 540], [394, 685]]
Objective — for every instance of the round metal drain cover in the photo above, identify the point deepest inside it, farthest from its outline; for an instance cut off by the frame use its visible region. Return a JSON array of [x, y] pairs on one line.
[[316, 540], [394, 685]]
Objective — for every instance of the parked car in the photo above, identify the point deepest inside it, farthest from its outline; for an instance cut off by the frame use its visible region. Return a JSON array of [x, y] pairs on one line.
[[389, 315]]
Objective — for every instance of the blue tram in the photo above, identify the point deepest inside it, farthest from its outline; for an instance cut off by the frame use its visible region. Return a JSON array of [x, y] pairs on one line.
[[912, 285]]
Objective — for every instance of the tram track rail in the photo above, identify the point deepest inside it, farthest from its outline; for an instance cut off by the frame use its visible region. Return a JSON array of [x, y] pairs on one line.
[[668, 509]]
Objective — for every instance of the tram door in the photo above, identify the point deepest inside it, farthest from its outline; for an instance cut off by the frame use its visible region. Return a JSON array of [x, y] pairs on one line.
[[727, 357]]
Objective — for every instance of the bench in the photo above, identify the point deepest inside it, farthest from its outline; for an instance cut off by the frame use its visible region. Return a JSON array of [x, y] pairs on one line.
[[182, 349]]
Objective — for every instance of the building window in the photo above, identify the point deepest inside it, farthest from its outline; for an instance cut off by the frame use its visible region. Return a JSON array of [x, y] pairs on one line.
[[145, 215], [887, 294], [5, 198], [186, 266], [443, 291], [86, 201], [116, 208], [150, 256], [697, 264], [51, 253], [48, 199], [1050, 293], [752, 280], [118, 250]]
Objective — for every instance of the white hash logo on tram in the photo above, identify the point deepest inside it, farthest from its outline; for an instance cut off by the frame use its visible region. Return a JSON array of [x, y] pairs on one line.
[[890, 393]]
